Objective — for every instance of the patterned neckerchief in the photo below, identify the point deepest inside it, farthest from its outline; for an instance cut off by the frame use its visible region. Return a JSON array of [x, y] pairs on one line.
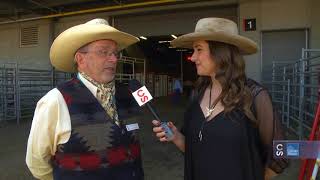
[[106, 97]]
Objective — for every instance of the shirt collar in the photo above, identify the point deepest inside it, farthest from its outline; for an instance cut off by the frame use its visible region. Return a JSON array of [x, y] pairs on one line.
[[92, 88]]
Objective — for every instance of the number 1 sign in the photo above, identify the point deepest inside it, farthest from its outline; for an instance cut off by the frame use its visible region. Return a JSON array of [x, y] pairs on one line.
[[249, 24]]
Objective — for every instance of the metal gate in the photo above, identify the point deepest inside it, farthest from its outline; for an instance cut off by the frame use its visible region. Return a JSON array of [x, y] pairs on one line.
[[294, 89]]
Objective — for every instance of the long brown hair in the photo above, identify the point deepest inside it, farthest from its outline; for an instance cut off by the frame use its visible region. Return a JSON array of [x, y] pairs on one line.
[[230, 72]]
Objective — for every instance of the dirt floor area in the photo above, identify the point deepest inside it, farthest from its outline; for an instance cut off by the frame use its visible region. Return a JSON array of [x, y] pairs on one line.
[[160, 160]]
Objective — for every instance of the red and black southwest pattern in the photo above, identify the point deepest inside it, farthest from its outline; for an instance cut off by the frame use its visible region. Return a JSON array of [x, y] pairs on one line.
[[98, 148]]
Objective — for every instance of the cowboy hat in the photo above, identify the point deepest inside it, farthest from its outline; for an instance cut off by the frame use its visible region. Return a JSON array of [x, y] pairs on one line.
[[64, 47], [216, 29]]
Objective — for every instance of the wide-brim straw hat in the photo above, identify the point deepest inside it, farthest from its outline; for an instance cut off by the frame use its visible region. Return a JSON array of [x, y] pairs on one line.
[[216, 29], [64, 47]]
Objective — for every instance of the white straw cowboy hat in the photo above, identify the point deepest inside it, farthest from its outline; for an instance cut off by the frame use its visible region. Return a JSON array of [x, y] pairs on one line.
[[68, 42], [216, 29]]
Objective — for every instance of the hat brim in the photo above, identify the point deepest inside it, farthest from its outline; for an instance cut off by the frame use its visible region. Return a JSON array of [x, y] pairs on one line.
[[68, 42], [245, 45]]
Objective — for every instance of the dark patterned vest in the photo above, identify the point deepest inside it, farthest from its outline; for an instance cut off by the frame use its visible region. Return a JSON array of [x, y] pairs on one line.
[[98, 149]]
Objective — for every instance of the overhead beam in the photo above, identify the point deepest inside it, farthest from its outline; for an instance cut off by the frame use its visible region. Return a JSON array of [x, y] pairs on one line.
[[136, 8]]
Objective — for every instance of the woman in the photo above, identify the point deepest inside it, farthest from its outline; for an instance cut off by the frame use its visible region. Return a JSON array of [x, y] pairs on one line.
[[222, 138]]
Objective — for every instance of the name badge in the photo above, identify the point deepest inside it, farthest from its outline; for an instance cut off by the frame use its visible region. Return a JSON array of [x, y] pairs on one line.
[[131, 127]]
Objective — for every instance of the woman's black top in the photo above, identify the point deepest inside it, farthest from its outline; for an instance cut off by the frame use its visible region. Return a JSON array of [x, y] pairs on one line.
[[228, 149], [232, 146]]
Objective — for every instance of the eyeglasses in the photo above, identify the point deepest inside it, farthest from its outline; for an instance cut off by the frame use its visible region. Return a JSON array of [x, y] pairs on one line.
[[105, 53]]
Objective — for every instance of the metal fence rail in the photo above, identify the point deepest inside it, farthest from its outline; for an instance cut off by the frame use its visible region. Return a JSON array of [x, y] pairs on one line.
[[294, 88], [21, 88], [32, 85], [8, 91]]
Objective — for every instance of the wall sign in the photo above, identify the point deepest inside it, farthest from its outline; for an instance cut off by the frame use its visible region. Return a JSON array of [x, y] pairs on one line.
[[249, 24]]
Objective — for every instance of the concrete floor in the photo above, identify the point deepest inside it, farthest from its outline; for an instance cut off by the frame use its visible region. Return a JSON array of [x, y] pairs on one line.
[[160, 160]]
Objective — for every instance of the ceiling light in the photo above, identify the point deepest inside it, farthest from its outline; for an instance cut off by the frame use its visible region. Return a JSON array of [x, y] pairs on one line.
[[142, 37], [163, 42], [172, 35], [181, 50]]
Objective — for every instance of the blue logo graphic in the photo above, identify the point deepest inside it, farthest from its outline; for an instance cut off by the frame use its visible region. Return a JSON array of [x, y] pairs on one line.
[[293, 149]]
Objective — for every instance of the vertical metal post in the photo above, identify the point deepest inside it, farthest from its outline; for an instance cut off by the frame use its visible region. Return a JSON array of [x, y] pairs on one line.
[[2, 94], [295, 82], [273, 79], [288, 105], [5, 103], [17, 93], [51, 39], [112, 21], [301, 95], [283, 92]]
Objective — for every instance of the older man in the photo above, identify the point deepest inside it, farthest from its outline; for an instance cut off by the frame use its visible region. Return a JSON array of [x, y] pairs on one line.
[[76, 132]]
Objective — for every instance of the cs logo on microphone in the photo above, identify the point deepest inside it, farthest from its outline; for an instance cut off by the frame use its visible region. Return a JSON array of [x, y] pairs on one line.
[[142, 95]]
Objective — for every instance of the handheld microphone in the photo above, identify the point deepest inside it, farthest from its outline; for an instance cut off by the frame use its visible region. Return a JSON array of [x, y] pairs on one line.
[[143, 96]]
